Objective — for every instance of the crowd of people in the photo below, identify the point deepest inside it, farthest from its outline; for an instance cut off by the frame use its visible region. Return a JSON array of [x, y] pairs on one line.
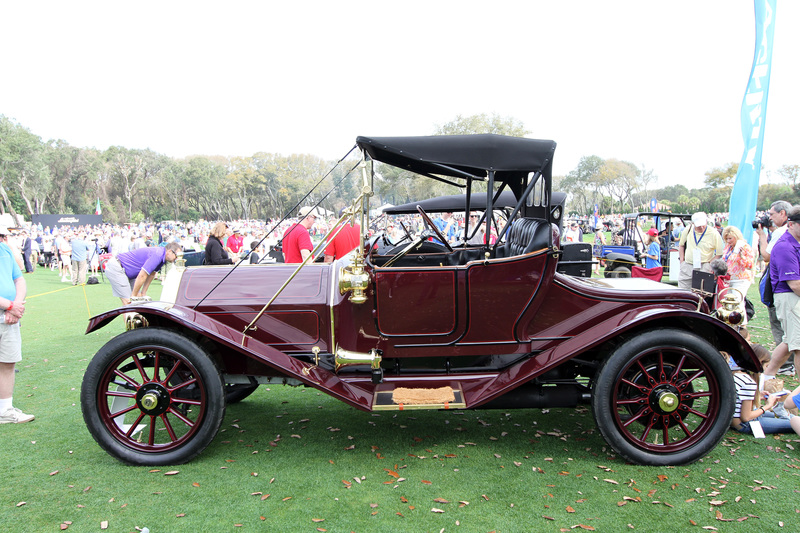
[[133, 254]]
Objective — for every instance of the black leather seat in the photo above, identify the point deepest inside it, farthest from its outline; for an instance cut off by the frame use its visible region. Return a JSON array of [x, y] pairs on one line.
[[526, 235]]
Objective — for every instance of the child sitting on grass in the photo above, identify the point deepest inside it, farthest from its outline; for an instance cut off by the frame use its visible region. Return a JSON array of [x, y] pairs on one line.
[[746, 411]]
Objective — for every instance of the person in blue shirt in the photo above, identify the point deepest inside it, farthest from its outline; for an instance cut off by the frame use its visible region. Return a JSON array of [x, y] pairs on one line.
[[447, 225], [80, 255], [653, 253], [12, 307]]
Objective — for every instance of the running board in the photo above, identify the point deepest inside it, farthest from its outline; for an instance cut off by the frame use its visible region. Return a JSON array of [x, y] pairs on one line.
[[418, 398]]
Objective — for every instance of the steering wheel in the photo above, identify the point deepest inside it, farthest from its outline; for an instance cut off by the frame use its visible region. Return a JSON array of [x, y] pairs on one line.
[[432, 227]]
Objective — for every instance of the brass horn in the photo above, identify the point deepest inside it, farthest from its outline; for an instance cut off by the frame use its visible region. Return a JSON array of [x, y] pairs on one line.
[[348, 358]]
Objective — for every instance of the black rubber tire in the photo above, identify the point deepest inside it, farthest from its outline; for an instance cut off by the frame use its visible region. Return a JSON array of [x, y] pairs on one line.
[[671, 366], [618, 272], [235, 393], [177, 374]]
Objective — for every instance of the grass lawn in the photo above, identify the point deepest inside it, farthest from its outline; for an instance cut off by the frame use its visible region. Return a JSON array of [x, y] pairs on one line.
[[293, 459]]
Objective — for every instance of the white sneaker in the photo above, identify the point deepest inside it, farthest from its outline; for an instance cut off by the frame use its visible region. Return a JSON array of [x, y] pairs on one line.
[[14, 416]]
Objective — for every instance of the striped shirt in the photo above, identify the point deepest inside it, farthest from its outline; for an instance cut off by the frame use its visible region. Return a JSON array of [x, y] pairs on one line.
[[745, 390]]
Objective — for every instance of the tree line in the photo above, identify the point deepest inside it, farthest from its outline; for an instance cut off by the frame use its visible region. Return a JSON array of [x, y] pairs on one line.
[[616, 186], [48, 177]]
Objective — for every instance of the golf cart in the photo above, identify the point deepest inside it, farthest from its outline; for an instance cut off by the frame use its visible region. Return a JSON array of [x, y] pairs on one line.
[[620, 258]]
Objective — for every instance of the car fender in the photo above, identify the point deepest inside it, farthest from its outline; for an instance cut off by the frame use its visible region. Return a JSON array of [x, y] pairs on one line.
[[188, 318], [638, 319], [617, 256]]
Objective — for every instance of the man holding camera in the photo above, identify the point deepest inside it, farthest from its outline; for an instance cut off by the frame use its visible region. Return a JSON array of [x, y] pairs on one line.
[[779, 215]]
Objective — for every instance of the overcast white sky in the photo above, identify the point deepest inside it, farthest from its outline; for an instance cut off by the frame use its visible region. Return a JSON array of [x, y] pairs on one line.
[[658, 84]]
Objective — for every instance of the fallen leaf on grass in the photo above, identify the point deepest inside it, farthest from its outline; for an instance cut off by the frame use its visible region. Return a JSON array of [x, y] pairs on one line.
[[20, 504], [53, 473], [171, 472], [611, 481], [662, 477], [426, 482], [570, 509], [440, 500], [264, 497], [195, 484], [435, 510], [317, 519], [180, 515]]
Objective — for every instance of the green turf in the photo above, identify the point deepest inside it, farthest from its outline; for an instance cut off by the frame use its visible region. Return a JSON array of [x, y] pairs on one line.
[[289, 456]]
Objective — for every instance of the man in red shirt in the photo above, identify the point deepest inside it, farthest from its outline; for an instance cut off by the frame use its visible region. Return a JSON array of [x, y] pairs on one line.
[[347, 239], [234, 243], [296, 240]]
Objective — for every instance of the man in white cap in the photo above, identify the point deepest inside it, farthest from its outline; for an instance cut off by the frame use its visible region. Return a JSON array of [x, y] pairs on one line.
[[12, 307], [296, 240], [698, 246]]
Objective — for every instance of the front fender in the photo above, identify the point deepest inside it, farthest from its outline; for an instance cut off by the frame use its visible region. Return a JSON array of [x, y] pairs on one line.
[[188, 318]]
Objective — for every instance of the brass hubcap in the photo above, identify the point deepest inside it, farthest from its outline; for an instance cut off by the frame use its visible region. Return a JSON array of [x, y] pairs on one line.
[[149, 401], [153, 398], [668, 401]]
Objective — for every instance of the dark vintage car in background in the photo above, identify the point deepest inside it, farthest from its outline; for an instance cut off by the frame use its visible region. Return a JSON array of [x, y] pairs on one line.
[[420, 325]]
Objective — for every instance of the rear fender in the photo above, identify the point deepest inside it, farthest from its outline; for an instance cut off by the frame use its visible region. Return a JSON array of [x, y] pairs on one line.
[[720, 335], [185, 317]]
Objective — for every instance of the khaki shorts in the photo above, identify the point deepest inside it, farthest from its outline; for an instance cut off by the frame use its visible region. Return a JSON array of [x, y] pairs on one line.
[[121, 285], [787, 308], [10, 342]]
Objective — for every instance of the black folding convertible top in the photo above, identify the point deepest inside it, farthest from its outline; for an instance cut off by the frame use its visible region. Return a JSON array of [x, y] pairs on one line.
[[452, 202], [463, 156]]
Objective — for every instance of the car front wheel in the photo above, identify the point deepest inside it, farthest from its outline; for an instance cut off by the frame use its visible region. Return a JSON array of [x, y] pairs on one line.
[[664, 397], [152, 396]]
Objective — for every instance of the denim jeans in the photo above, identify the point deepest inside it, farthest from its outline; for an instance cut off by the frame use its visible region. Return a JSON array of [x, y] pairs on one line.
[[769, 424]]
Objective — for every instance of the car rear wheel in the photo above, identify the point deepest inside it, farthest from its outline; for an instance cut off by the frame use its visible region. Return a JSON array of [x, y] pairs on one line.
[[152, 396], [618, 272], [664, 397]]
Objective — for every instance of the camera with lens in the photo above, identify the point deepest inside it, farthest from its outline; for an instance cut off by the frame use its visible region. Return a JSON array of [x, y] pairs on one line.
[[763, 220]]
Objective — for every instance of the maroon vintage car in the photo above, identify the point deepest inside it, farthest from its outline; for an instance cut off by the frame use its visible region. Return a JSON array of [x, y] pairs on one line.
[[423, 324]]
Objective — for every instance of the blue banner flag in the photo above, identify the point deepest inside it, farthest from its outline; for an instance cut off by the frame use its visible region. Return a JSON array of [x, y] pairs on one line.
[[754, 114]]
